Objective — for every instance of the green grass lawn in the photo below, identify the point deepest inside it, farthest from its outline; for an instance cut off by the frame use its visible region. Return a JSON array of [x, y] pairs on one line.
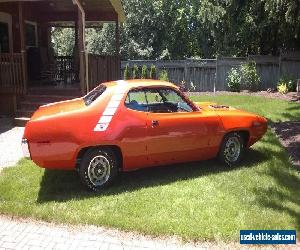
[[197, 201]]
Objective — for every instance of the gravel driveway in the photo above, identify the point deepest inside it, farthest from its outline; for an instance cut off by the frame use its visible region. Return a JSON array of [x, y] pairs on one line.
[[10, 143]]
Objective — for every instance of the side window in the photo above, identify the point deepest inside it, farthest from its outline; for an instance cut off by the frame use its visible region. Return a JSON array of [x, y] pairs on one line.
[[153, 97], [136, 100], [166, 100], [174, 98]]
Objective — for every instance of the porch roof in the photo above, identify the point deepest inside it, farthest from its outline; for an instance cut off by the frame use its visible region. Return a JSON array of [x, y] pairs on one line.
[[99, 10]]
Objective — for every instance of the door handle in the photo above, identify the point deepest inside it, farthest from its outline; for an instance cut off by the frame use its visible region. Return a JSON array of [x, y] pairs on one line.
[[155, 123]]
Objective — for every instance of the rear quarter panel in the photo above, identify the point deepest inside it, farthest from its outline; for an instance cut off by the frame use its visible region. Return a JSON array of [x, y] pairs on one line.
[[55, 140]]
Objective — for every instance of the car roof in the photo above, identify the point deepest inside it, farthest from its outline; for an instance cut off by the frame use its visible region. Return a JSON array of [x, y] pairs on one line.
[[136, 83]]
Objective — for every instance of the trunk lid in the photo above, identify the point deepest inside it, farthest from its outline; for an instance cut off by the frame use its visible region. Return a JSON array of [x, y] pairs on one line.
[[58, 108]]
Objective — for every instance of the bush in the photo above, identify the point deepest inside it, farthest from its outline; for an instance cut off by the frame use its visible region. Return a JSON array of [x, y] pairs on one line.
[[282, 88], [289, 81], [249, 77], [234, 80], [144, 72], [163, 75], [185, 87], [127, 72], [152, 74], [135, 72]]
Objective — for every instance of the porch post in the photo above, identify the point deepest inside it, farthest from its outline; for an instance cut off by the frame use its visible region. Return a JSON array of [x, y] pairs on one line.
[[117, 39], [118, 61], [84, 62], [76, 54], [23, 47], [81, 53]]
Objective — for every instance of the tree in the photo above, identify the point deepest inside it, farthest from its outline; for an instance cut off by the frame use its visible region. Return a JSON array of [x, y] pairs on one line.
[[62, 41], [135, 72], [152, 73], [101, 40], [168, 29], [144, 72], [127, 72]]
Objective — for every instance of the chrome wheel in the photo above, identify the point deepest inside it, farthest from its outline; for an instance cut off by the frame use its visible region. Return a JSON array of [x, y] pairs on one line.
[[232, 149], [99, 170]]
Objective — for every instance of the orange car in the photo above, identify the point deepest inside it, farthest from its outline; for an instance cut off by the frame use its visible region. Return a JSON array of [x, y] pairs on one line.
[[126, 125]]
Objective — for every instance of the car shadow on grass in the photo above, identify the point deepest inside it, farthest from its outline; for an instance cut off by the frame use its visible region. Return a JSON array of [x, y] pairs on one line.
[[283, 198], [62, 186]]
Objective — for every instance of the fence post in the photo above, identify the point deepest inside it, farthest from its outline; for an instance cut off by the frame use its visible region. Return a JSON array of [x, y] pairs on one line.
[[216, 78], [279, 66], [185, 73]]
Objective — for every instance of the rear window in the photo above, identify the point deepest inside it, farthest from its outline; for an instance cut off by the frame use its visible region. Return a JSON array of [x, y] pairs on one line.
[[94, 94]]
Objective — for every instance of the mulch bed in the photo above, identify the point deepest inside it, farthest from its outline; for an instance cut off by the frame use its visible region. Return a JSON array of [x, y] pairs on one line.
[[289, 136]]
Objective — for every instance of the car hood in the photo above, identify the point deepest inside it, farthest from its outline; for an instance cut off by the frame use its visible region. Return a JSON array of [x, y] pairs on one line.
[[212, 106], [57, 108], [222, 110]]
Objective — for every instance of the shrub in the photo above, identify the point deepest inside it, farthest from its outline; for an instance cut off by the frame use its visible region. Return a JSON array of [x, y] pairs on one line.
[[289, 81], [282, 88], [182, 86], [152, 74], [249, 77], [234, 80], [144, 72], [187, 87], [127, 72], [163, 75], [135, 72]]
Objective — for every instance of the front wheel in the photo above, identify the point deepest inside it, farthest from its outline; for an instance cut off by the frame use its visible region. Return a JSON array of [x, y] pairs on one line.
[[98, 168], [232, 149]]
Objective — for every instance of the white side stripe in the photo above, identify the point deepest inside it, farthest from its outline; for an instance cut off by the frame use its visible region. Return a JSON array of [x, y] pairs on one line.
[[111, 108], [101, 127], [117, 97], [110, 111], [113, 104]]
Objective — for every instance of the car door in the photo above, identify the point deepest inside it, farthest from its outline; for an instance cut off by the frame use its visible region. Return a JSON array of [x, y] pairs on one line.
[[177, 135], [134, 130]]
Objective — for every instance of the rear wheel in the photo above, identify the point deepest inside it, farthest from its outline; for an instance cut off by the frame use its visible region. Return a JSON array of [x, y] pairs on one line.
[[98, 168], [232, 149]]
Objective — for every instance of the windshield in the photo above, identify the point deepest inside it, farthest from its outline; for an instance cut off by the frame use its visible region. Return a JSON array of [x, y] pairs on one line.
[[94, 94]]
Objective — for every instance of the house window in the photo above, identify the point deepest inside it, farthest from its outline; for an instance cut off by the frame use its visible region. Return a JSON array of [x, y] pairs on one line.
[[4, 38], [31, 34]]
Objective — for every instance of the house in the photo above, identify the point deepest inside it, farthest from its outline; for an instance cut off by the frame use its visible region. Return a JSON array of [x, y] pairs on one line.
[[30, 73]]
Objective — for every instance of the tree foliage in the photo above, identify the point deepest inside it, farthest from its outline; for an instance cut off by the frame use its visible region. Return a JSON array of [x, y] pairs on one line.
[[63, 40], [173, 29]]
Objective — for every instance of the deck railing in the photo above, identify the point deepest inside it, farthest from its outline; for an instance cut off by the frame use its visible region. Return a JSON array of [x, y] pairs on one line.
[[103, 69], [66, 69], [11, 73]]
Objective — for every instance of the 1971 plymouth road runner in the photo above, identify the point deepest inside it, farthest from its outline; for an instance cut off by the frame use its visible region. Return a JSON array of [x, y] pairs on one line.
[[126, 125]]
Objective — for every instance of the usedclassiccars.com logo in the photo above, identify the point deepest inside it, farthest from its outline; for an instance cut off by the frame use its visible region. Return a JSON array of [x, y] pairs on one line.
[[268, 237]]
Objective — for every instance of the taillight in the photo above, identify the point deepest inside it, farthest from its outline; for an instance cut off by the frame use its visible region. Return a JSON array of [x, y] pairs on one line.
[[25, 148]]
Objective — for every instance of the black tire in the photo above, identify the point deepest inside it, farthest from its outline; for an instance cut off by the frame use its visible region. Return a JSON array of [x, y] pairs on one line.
[[98, 168], [232, 149]]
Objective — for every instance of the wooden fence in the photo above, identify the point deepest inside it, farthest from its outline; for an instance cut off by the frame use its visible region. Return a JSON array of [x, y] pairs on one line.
[[103, 69], [11, 73], [211, 74]]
